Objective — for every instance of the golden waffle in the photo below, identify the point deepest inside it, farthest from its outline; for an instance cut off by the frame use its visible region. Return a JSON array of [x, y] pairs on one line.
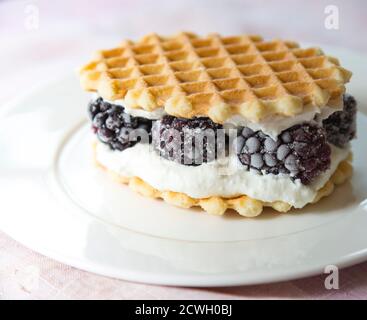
[[243, 205], [216, 76]]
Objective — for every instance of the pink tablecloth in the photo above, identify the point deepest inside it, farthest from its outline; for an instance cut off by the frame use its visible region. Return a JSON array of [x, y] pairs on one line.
[[42, 39]]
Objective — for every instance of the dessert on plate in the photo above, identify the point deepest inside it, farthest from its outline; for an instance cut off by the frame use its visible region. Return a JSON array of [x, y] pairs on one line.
[[222, 122]]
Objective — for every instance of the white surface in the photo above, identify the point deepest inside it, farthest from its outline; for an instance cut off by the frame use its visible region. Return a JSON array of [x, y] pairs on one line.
[[123, 235]]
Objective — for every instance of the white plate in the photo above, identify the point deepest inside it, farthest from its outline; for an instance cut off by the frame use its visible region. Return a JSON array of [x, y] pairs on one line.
[[56, 202]]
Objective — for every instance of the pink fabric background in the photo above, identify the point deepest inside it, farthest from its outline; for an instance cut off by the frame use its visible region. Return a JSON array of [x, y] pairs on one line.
[[67, 32]]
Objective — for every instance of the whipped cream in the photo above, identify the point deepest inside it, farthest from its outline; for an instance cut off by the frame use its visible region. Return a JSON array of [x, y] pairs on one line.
[[152, 115], [223, 177], [272, 125]]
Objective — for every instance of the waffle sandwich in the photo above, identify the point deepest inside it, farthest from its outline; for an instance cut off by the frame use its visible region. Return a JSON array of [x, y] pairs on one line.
[[222, 122]]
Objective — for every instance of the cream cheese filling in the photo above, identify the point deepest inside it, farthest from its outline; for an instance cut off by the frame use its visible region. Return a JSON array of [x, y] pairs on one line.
[[223, 177]]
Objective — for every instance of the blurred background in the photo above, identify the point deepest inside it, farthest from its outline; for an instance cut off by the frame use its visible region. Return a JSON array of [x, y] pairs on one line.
[[42, 38]]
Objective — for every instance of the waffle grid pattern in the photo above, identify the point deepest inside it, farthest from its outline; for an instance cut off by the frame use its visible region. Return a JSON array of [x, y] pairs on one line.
[[216, 76]]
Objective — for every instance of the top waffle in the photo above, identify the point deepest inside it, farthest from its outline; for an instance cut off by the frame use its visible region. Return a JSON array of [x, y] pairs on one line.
[[216, 76]]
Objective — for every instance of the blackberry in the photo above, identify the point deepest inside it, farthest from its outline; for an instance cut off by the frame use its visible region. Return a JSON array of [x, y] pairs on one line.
[[115, 127], [188, 141], [97, 106], [300, 151], [341, 125]]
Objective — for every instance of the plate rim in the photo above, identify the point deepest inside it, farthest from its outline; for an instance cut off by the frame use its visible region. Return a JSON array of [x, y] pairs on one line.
[[199, 281]]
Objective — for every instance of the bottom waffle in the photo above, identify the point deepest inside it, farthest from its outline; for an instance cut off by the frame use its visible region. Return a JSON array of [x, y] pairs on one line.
[[217, 205]]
